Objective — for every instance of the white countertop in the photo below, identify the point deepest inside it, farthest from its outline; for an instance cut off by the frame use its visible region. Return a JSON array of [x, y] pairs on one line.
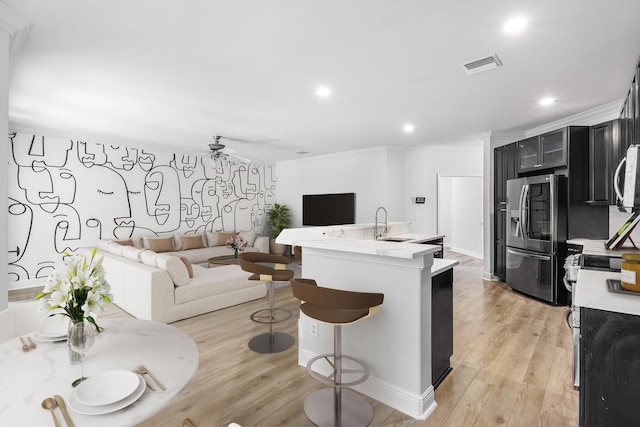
[[596, 247], [372, 247], [441, 265], [591, 292]]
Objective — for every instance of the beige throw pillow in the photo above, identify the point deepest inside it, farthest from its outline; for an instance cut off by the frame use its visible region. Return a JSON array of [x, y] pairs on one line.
[[175, 267], [248, 236], [127, 242], [192, 242], [160, 244], [187, 264], [223, 237]]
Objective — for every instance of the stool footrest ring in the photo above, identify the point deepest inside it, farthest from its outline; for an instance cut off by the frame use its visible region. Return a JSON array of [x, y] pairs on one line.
[[329, 380], [268, 313]]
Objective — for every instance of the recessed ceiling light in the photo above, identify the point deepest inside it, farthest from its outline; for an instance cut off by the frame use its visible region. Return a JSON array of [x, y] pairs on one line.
[[547, 101], [323, 92], [408, 128], [515, 25]]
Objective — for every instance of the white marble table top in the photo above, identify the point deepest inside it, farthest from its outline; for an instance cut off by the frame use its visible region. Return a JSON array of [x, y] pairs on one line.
[[30, 377]]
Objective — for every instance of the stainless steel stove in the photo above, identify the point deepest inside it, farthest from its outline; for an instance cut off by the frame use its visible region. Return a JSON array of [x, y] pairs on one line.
[[573, 263]]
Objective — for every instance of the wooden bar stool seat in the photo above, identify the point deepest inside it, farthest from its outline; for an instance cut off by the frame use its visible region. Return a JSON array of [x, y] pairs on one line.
[[253, 262], [335, 406]]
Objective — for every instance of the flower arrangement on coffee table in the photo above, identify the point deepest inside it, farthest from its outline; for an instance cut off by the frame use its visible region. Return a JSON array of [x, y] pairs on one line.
[[236, 243]]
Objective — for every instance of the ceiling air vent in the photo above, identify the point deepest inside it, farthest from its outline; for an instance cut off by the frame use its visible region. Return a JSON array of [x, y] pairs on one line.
[[483, 64]]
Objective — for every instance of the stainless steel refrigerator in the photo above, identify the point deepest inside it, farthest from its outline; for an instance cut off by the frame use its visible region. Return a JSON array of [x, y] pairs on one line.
[[536, 223]]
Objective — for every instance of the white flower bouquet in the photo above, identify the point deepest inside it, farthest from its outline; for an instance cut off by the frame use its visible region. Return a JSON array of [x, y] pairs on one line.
[[79, 290]]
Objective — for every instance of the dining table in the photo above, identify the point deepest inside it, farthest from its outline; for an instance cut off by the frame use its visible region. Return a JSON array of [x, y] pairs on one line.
[[29, 377]]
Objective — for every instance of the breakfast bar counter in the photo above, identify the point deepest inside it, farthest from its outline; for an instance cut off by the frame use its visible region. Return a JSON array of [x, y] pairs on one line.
[[396, 342]]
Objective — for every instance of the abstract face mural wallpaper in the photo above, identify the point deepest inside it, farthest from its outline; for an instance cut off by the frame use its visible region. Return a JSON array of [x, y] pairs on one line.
[[66, 194]]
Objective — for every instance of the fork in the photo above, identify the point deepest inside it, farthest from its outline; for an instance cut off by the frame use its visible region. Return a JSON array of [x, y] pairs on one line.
[[137, 371], [144, 370]]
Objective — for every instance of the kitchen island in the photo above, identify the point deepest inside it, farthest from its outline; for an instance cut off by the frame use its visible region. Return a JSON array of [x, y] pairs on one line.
[[396, 343]]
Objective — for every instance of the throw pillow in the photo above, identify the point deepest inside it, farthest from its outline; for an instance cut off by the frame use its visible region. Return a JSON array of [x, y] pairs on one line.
[[223, 237], [192, 242], [160, 244], [127, 242], [176, 269], [248, 236], [187, 264], [212, 238]]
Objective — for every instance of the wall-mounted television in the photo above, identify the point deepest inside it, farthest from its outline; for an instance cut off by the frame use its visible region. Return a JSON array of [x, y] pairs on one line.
[[328, 209]]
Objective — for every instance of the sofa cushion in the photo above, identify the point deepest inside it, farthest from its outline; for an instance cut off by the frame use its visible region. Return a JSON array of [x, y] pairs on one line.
[[223, 237], [115, 248], [192, 242], [125, 242], [149, 258], [158, 244], [248, 236], [104, 244], [213, 281], [187, 264], [132, 253], [175, 267], [211, 238]]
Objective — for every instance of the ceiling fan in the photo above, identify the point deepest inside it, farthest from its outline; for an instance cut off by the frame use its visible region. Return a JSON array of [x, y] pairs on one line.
[[219, 152]]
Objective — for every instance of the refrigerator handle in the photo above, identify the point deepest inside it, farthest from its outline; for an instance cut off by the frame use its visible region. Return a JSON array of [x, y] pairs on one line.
[[528, 255], [524, 211]]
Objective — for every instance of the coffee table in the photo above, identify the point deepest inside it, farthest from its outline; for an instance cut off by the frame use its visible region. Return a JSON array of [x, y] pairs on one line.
[[223, 260]]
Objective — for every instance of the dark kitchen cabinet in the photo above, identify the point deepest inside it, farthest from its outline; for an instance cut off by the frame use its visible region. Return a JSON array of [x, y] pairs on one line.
[[604, 151], [505, 165], [609, 368], [441, 325], [545, 151]]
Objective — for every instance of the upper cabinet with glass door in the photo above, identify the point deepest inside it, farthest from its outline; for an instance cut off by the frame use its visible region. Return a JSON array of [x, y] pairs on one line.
[[548, 150]]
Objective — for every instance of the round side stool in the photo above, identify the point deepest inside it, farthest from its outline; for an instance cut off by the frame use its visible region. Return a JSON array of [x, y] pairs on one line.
[[271, 342], [334, 406]]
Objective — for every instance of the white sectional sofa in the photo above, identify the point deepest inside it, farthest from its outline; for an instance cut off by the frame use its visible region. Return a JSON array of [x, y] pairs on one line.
[[159, 285]]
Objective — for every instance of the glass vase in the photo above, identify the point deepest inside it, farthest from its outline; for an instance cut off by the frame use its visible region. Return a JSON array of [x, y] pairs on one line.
[[235, 253], [74, 357]]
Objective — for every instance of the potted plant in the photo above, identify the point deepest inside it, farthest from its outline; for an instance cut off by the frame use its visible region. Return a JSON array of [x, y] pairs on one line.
[[279, 219]]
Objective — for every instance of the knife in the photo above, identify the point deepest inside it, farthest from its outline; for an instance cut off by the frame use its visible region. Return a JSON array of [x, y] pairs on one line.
[[63, 408]]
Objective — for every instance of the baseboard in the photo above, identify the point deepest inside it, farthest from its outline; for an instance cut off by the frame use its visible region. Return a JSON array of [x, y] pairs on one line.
[[468, 253]]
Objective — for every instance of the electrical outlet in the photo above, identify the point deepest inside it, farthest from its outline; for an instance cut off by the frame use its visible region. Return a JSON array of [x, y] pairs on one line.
[[313, 329]]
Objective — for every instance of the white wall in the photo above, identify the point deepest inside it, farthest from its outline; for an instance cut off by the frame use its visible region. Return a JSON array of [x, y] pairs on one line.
[[364, 172], [422, 167], [383, 176], [4, 130]]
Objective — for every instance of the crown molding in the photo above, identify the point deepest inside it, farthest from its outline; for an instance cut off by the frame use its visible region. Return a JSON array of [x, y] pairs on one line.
[[17, 27], [590, 117]]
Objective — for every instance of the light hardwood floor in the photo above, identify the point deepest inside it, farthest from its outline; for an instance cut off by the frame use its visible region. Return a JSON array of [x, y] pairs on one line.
[[511, 366]]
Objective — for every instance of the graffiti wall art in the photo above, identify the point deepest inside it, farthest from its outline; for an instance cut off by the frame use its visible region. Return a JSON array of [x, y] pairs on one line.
[[65, 194]]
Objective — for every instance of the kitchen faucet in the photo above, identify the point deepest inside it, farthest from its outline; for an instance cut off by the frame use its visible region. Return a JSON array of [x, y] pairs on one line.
[[375, 230]]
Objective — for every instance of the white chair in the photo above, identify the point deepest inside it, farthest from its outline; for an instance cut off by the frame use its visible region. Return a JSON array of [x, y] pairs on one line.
[[19, 318]]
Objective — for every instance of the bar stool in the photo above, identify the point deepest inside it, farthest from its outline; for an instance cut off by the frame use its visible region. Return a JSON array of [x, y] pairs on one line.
[[334, 406], [271, 342]]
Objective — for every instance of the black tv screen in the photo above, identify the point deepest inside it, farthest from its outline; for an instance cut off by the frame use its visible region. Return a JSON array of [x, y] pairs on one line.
[[329, 209]]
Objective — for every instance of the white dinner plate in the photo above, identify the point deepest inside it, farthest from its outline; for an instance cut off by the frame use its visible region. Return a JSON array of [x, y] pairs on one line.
[[40, 338], [53, 328], [107, 387], [83, 409]]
